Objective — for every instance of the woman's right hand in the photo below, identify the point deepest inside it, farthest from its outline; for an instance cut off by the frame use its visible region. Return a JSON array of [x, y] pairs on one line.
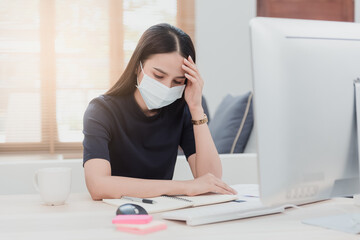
[[207, 183]]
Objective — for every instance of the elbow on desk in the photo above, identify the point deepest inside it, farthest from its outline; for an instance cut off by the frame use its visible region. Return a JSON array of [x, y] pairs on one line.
[[98, 190], [98, 194], [98, 179], [94, 192], [95, 196]]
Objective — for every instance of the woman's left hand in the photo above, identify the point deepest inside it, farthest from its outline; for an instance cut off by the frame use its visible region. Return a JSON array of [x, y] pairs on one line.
[[193, 90]]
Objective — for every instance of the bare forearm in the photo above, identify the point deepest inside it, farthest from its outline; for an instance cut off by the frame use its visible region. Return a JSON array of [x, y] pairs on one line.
[[116, 187], [207, 157], [102, 185]]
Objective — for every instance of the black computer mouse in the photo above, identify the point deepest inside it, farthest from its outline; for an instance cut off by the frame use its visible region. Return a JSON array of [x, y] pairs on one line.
[[131, 209]]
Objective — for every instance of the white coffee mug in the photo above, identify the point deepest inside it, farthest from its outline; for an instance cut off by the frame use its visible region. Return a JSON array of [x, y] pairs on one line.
[[53, 184]]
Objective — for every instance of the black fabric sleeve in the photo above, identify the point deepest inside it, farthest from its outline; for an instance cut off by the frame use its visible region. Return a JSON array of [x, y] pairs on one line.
[[96, 131], [187, 142]]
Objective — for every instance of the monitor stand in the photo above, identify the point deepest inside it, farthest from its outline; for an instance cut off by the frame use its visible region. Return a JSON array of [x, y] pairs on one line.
[[357, 110], [349, 222]]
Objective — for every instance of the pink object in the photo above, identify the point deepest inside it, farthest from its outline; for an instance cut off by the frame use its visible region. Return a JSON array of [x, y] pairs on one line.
[[142, 228], [132, 219]]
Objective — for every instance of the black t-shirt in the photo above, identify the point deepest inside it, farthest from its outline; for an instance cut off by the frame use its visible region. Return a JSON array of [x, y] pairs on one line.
[[116, 129]]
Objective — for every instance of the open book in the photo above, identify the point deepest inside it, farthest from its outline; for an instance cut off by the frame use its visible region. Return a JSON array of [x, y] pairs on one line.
[[168, 203]]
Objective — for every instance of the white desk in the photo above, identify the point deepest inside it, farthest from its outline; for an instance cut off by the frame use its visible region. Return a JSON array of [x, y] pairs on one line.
[[23, 217]]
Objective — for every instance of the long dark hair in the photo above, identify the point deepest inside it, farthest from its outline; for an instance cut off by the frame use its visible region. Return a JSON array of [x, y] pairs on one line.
[[160, 38]]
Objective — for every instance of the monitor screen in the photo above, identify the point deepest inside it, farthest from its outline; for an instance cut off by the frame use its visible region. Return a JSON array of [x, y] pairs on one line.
[[303, 79]]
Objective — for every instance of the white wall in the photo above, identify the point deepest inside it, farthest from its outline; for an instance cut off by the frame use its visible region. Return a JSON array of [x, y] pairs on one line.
[[223, 47]]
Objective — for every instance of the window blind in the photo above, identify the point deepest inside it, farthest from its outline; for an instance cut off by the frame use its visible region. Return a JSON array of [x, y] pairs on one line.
[[57, 55]]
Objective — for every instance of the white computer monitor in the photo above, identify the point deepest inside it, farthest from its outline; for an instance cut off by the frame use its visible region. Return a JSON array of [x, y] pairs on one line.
[[303, 73]]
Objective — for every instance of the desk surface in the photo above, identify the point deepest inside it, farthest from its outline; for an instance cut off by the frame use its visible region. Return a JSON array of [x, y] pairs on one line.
[[24, 217]]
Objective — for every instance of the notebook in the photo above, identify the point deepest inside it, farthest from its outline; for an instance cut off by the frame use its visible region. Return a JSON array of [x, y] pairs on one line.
[[247, 205], [169, 203]]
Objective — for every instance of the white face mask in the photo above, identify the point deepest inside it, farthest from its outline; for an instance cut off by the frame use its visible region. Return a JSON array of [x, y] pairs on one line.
[[155, 94]]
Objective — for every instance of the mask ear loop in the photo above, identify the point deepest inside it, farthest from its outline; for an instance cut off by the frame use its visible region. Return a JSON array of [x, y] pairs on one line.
[[137, 77]]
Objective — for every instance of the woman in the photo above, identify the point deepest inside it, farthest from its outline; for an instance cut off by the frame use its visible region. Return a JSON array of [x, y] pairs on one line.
[[132, 133]]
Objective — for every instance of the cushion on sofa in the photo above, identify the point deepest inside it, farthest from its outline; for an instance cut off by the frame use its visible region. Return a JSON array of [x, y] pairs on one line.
[[232, 123], [251, 146]]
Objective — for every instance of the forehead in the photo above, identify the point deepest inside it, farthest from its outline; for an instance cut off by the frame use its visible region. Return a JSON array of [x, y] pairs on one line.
[[169, 62]]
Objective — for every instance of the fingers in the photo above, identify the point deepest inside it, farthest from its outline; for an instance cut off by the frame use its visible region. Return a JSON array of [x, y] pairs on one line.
[[191, 78], [191, 70], [225, 188], [219, 190], [190, 64], [218, 186], [191, 60], [208, 183]]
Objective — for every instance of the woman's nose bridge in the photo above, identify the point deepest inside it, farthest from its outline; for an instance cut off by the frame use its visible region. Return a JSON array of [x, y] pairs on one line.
[[167, 82]]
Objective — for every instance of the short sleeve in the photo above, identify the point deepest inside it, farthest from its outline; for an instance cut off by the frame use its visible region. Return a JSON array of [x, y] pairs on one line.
[[96, 131], [187, 142]]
